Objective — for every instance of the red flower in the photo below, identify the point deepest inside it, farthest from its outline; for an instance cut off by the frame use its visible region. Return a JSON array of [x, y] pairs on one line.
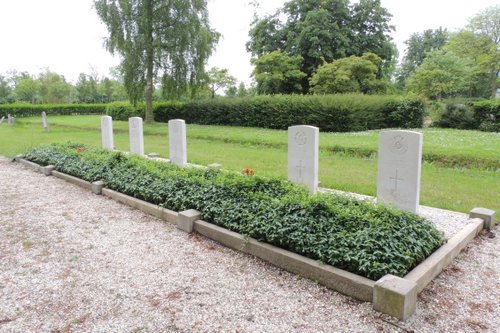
[[248, 172], [80, 149]]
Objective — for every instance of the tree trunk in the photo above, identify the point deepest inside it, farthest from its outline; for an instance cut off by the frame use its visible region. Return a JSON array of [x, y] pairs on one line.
[[149, 61], [493, 80]]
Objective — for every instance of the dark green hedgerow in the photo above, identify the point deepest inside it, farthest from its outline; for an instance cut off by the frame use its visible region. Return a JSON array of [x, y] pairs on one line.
[[331, 113], [27, 110], [357, 236]]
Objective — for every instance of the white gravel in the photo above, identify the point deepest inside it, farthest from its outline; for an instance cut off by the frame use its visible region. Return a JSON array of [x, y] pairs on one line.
[[71, 261]]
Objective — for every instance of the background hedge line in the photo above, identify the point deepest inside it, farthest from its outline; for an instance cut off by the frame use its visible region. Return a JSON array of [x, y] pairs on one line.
[[27, 110], [338, 113], [482, 115], [360, 237], [331, 113]]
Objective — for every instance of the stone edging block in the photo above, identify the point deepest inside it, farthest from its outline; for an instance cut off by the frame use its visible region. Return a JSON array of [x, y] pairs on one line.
[[185, 220], [97, 187], [47, 170], [395, 296], [487, 215]]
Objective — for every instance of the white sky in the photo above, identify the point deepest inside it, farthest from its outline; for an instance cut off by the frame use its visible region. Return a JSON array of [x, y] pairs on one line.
[[67, 36]]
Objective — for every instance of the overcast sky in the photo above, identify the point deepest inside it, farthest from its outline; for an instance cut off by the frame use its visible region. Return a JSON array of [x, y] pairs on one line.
[[67, 36]]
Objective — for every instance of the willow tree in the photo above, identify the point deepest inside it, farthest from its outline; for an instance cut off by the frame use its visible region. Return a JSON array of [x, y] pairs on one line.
[[167, 40]]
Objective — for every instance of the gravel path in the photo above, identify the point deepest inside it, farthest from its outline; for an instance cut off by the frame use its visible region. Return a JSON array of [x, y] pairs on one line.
[[71, 261]]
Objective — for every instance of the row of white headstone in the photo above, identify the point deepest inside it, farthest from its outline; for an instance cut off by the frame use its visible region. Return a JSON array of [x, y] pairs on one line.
[[399, 160], [399, 164], [176, 137]]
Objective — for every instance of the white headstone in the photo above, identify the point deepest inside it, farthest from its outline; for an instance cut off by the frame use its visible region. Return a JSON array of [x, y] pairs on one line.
[[399, 166], [136, 135], [177, 142], [107, 132], [1, 120], [45, 122], [303, 153], [9, 119]]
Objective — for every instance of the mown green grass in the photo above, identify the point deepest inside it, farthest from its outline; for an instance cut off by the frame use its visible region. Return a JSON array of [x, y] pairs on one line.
[[445, 147], [265, 151]]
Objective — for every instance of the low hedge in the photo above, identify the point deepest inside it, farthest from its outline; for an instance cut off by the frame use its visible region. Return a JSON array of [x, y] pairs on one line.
[[28, 110], [482, 115], [360, 237], [337, 113]]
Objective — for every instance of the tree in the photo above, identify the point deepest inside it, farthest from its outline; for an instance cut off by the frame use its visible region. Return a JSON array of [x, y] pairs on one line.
[[167, 39], [242, 90], [54, 88], [27, 89], [86, 87], [324, 30], [487, 25], [484, 58], [219, 78], [442, 74], [348, 75], [418, 45], [278, 73], [5, 90]]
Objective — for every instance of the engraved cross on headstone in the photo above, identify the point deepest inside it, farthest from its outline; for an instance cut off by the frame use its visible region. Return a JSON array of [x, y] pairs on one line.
[[396, 179], [300, 167]]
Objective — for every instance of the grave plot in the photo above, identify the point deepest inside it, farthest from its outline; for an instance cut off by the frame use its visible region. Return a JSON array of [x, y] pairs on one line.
[[371, 252]]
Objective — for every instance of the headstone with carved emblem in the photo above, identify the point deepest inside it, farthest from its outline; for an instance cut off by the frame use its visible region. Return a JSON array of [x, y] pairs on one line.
[[303, 155], [399, 167]]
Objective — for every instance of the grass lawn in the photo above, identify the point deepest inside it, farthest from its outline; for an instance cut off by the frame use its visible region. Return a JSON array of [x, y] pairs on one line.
[[265, 151]]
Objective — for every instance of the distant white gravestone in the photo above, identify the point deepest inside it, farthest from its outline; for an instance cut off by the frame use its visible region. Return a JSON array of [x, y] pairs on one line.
[[136, 135], [1, 120], [9, 119], [177, 142], [107, 132], [399, 168], [45, 122], [303, 154]]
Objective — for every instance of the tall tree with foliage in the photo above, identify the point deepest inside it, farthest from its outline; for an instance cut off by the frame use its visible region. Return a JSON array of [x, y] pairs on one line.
[[167, 39], [219, 79], [349, 75], [442, 74], [278, 73], [324, 30], [417, 48]]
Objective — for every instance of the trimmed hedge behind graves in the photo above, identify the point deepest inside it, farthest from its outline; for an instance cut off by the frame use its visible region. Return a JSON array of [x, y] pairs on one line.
[[337, 113], [482, 115], [357, 236], [27, 110]]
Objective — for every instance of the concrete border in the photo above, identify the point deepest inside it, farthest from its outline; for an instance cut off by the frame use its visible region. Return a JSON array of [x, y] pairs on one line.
[[29, 164], [72, 179], [345, 282], [442, 257], [144, 206]]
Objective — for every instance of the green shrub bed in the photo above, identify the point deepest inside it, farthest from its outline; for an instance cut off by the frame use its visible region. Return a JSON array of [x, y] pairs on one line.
[[331, 113], [28, 110], [360, 237]]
